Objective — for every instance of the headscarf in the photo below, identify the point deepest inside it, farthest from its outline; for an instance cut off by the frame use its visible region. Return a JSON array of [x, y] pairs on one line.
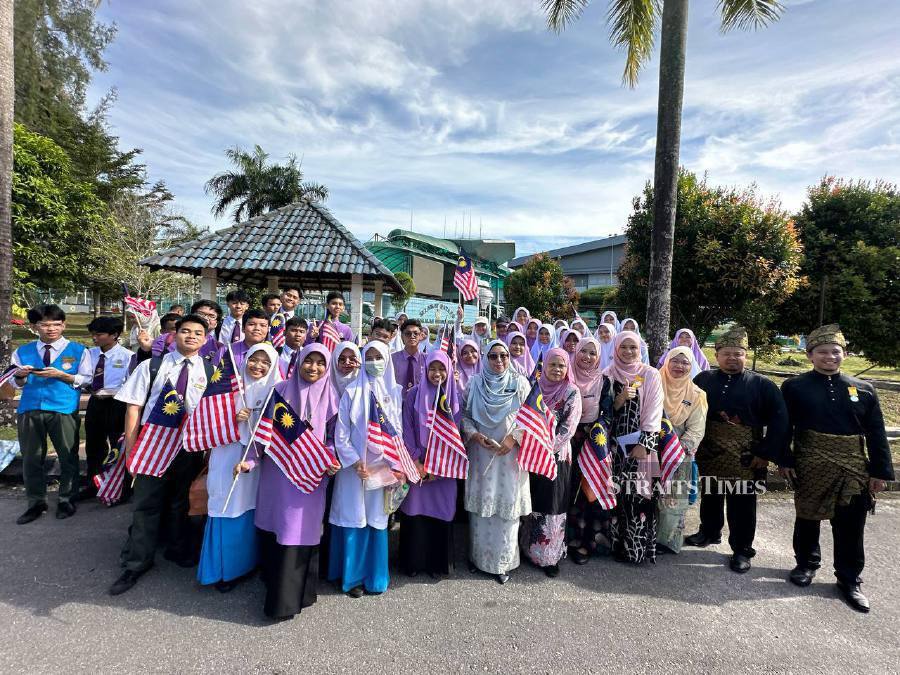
[[700, 361], [537, 349], [553, 392], [481, 321], [339, 383], [387, 392], [617, 323], [606, 348], [586, 378], [493, 396], [521, 364], [650, 391], [426, 393], [680, 396], [467, 372], [425, 344], [397, 341], [530, 341], [515, 315], [514, 325], [583, 324], [256, 392], [315, 402], [645, 355]]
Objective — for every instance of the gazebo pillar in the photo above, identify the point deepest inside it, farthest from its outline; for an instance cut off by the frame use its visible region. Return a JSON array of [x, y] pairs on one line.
[[208, 282], [356, 301], [273, 283], [379, 288]]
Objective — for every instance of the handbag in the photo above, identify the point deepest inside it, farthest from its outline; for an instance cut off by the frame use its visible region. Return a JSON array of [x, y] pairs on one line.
[[198, 496], [394, 496]]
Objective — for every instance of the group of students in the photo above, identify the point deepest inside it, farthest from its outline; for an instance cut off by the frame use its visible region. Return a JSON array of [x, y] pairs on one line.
[[823, 429]]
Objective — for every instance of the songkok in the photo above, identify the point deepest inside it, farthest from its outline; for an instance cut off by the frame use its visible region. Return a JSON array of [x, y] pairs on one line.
[[733, 337], [826, 335]]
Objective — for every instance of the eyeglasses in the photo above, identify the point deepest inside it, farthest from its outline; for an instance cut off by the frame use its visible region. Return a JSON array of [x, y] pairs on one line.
[[498, 357], [345, 361]]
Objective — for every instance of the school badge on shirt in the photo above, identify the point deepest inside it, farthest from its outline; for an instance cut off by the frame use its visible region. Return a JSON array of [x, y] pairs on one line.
[[67, 362], [854, 395]]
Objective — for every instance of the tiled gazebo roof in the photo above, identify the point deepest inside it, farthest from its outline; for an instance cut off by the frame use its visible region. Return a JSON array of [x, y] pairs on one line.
[[302, 242]]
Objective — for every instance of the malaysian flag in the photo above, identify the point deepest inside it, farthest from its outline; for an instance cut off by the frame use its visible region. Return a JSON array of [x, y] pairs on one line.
[[538, 370], [595, 463], [292, 445], [386, 441], [160, 438], [142, 309], [111, 479], [536, 447], [8, 374], [445, 454], [213, 423], [276, 330], [451, 345], [329, 336], [464, 279], [445, 340], [671, 452]]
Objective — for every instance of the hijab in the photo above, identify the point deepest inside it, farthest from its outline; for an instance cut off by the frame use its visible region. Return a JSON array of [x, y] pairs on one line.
[[530, 341], [481, 340], [521, 364], [339, 383], [606, 348], [645, 356], [514, 325], [586, 378], [315, 402], [467, 372], [680, 396], [700, 361], [493, 396], [616, 321], [554, 392], [256, 392], [649, 392], [425, 344], [397, 341], [539, 350], [515, 316], [427, 392], [586, 331]]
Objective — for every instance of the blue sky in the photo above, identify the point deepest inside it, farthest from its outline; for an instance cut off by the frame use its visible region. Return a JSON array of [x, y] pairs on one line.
[[458, 109]]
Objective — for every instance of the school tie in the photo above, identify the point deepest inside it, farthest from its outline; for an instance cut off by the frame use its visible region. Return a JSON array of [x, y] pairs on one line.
[[181, 384], [236, 332], [410, 372], [97, 382], [47, 359]]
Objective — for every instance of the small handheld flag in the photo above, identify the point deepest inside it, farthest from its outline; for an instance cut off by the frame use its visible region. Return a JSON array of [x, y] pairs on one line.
[[595, 463], [538, 370], [159, 439], [383, 439], [213, 423], [537, 423], [8, 374], [111, 479], [671, 452], [329, 336], [276, 330], [445, 455], [464, 278]]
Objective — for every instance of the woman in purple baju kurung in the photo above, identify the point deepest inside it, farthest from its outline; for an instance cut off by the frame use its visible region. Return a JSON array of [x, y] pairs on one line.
[[426, 532]]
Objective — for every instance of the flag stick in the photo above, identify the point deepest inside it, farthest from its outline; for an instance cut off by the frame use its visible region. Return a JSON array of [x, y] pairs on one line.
[[237, 375], [247, 449], [488, 467], [437, 397]]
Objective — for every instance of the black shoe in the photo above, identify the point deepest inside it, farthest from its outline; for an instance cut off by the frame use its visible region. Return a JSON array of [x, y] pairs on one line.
[[356, 592], [700, 540], [801, 576], [32, 513], [502, 578], [551, 571], [739, 563], [180, 561], [578, 557], [854, 596], [65, 510], [124, 582], [226, 586]]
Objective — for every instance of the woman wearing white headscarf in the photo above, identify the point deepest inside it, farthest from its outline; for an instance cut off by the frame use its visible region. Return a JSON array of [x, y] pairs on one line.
[[229, 541], [609, 314], [605, 335], [634, 328], [497, 492], [359, 541], [396, 344], [546, 340]]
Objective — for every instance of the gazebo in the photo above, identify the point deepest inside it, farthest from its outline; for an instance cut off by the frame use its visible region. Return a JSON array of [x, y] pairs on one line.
[[301, 243]]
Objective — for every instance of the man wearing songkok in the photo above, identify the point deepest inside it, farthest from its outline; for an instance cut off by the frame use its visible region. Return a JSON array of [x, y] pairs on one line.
[[840, 459], [746, 428]]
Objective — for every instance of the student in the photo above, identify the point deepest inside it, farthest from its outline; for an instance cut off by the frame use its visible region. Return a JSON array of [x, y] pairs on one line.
[[383, 330], [290, 299], [176, 309], [189, 373], [256, 330], [271, 303], [211, 313], [104, 420], [229, 541], [294, 338], [51, 369], [409, 364], [502, 325], [232, 325], [334, 307]]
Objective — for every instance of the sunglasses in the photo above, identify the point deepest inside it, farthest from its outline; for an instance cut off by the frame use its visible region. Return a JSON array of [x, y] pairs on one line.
[[498, 357]]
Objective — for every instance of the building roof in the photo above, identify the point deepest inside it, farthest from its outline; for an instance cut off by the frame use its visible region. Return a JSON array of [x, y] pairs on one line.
[[301, 242], [595, 244], [399, 244]]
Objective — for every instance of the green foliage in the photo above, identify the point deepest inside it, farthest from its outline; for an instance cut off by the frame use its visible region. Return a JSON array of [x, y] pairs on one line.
[[851, 238], [399, 300], [600, 297], [55, 217], [541, 286], [257, 187], [734, 256]]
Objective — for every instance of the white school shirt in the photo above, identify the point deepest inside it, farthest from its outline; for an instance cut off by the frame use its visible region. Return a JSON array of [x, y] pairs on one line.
[[284, 359], [115, 369], [85, 371], [134, 390], [227, 328]]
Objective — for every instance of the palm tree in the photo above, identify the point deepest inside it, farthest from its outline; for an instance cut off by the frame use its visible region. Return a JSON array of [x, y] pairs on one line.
[[256, 186], [633, 25], [7, 102]]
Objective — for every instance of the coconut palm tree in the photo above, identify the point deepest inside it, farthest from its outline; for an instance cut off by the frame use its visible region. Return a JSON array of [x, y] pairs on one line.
[[633, 26], [255, 186]]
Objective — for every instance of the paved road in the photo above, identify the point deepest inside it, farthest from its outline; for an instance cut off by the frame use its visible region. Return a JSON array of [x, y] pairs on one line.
[[685, 614]]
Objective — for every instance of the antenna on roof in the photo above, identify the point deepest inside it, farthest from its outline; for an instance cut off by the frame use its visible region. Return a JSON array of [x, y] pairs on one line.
[[445, 227], [480, 229], [470, 224], [410, 220]]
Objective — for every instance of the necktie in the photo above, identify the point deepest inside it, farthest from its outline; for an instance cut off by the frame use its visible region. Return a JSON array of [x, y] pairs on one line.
[[97, 382], [47, 359], [410, 371], [181, 385], [236, 332]]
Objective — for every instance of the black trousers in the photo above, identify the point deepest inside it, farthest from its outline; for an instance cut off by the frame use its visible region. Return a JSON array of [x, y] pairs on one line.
[[847, 528], [104, 421], [154, 497], [741, 510]]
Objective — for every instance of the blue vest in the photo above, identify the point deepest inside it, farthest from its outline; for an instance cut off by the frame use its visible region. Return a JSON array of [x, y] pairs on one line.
[[50, 394]]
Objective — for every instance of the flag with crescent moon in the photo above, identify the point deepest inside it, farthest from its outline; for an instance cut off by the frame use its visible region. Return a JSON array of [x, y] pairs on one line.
[[212, 423], [445, 454], [595, 462], [159, 439], [385, 440], [464, 278], [111, 479], [537, 423]]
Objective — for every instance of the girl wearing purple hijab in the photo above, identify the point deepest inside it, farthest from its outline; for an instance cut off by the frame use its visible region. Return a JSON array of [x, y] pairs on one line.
[[542, 535], [684, 337], [288, 521], [426, 531], [469, 363], [531, 332]]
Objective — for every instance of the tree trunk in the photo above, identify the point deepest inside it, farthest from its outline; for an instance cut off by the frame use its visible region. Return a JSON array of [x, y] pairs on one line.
[[822, 285], [7, 103], [665, 176]]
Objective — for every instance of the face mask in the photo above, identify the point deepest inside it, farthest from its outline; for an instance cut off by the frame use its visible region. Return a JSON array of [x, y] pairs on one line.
[[375, 368]]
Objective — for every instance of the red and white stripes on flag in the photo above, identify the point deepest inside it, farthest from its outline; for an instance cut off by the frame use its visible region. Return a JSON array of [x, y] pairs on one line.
[[330, 337], [671, 452], [595, 462], [139, 306], [303, 460], [8, 374], [212, 424], [537, 424], [154, 450], [386, 441], [445, 454], [464, 278], [110, 481]]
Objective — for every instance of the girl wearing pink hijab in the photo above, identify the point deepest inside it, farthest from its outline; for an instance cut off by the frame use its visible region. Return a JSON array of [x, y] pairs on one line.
[[521, 360]]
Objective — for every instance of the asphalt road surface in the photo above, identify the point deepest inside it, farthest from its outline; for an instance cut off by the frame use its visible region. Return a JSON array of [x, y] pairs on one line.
[[687, 613]]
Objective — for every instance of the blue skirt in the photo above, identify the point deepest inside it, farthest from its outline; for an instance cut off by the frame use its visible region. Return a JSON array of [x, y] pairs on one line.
[[359, 557], [229, 549]]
